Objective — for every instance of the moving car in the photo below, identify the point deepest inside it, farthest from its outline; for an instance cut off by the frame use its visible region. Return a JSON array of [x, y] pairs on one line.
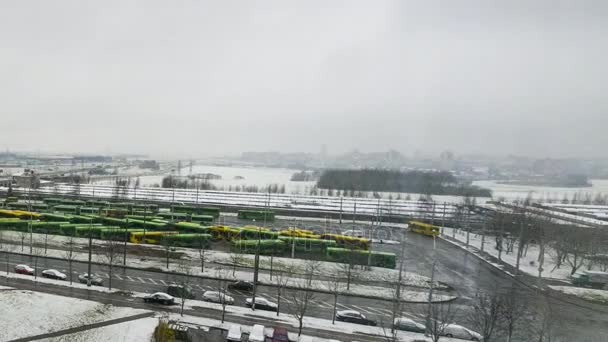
[[458, 331], [407, 324], [54, 274], [262, 304], [180, 291], [160, 297], [353, 316], [257, 334], [234, 334], [241, 285], [84, 278], [217, 297], [280, 335], [24, 269]]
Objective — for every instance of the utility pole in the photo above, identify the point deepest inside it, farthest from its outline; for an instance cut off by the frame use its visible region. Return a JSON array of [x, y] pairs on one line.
[[483, 234], [430, 299], [443, 218], [354, 214], [124, 249], [256, 268], [90, 251], [397, 303], [341, 198]]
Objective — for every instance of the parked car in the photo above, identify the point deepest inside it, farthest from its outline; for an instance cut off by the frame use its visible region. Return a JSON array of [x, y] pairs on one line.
[[160, 297], [262, 304], [280, 335], [407, 324], [257, 334], [217, 297], [458, 331], [234, 334], [84, 278], [54, 274], [241, 285], [180, 291], [353, 233], [353, 316], [24, 269]]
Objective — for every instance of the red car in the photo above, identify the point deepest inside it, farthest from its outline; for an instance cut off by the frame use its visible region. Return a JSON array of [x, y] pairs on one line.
[[24, 269], [280, 335]]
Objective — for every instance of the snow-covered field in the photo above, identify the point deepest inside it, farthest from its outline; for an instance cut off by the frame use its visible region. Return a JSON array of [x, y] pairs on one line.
[[28, 313], [528, 263], [132, 331], [593, 295]]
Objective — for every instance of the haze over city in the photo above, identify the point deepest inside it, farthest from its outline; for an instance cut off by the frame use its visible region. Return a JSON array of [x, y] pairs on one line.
[[208, 78]]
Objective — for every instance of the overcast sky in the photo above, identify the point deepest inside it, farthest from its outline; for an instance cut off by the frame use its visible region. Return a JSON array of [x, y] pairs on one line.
[[194, 78]]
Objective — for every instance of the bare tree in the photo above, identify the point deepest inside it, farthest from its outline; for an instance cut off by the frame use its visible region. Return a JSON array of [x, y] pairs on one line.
[[222, 288], [111, 253], [334, 285], [168, 248], [185, 279], [236, 257], [347, 270], [439, 317], [512, 312], [201, 252], [546, 323], [485, 314], [70, 256], [300, 303], [281, 280]]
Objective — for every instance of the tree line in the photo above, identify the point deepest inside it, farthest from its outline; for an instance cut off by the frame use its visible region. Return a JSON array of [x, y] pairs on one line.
[[374, 180]]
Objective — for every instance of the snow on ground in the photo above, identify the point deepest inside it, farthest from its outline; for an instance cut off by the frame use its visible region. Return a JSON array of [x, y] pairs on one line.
[[322, 269], [30, 309], [133, 331], [309, 322], [28, 313], [528, 263], [593, 295]]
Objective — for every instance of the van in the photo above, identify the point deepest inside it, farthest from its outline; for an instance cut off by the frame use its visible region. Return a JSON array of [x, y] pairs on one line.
[[234, 334], [257, 334]]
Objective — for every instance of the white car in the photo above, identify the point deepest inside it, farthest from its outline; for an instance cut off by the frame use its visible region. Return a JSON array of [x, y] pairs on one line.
[[458, 331], [217, 297], [54, 274], [160, 297], [353, 233], [262, 304], [257, 333]]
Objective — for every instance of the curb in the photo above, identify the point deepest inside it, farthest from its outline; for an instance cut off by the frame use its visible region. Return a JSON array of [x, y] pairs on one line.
[[290, 287], [547, 291]]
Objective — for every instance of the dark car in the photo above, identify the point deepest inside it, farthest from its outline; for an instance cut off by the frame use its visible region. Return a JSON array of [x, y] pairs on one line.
[[159, 297], [353, 316], [180, 291], [241, 285], [84, 278], [280, 335], [406, 324], [262, 304]]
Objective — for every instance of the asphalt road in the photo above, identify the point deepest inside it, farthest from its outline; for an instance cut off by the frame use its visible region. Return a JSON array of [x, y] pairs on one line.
[[148, 281], [578, 320]]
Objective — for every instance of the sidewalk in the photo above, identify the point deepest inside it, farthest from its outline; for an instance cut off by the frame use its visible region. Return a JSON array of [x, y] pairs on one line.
[[243, 314]]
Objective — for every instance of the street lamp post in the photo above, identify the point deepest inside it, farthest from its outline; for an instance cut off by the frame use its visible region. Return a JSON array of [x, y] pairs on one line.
[[90, 250]]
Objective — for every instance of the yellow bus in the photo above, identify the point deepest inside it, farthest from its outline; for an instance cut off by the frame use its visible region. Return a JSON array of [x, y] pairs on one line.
[[150, 237], [424, 228]]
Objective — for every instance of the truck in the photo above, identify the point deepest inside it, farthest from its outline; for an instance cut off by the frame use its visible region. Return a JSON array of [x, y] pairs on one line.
[[593, 279]]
